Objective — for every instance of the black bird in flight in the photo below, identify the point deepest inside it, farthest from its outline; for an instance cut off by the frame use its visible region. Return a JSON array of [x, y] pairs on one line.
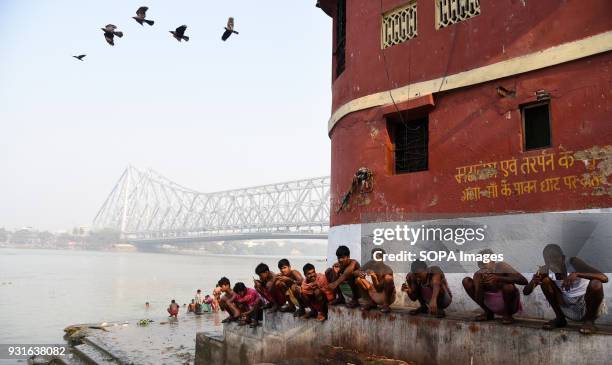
[[80, 57], [229, 29], [110, 33], [141, 14], [179, 33]]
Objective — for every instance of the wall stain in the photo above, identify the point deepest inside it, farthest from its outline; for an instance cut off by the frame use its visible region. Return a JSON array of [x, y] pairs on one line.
[[599, 161]]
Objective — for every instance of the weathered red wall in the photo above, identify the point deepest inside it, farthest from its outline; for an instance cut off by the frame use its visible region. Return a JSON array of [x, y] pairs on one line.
[[474, 124], [504, 29]]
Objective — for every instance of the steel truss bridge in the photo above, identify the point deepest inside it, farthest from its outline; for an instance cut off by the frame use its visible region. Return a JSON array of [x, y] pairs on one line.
[[147, 207]]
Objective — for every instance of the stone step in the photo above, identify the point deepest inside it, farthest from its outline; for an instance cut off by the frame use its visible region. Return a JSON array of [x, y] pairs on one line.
[[92, 355], [70, 358]]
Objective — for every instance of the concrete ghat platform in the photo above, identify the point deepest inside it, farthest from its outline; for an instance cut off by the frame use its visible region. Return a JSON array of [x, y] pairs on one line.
[[454, 340]]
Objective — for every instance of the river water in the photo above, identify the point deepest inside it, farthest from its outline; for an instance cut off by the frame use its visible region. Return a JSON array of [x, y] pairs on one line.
[[43, 291]]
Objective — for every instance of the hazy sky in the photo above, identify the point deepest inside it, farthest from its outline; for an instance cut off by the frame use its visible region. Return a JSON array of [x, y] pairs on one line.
[[207, 114]]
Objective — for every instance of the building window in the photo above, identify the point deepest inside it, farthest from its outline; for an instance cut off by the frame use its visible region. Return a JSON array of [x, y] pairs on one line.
[[536, 126], [340, 37], [410, 144], [399, 25], [449, 12]]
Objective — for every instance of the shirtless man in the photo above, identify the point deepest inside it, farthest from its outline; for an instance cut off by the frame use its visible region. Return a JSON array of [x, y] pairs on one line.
[[345, 274], [192, 306], [381, 291], [267, 288], [316, 294], [428, 286], [573, 289], [173, 309], [289, 282], [226, 302], [493, 288]]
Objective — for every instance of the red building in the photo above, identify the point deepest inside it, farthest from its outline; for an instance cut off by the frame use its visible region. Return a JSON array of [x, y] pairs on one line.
[[468, 107]]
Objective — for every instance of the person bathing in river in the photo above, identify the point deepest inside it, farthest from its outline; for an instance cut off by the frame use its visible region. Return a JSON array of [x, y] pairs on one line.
[[572, 287], [192, 306], [379, 292], [315, 293], [493, 288], [226, 301], [212, 301], [217, 298], [251, 302], [345, 274], [288, 281], [173, 309], [266, 287], [199, 301], [428, 286]]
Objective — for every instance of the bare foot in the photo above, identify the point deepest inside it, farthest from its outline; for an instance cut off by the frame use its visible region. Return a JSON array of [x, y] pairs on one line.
[[487, 316], [228, 319], [587, 328], [309, 315], [367, 307], [555, 323], [414, 312], [287, 309]]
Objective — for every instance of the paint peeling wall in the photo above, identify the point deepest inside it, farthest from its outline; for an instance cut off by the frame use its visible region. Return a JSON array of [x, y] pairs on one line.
[[478, 126]]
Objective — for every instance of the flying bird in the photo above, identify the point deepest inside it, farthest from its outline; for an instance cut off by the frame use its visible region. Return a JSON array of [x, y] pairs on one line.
[[110, 33], [229, 29], [80, 57], [179, 33], [141, 14]]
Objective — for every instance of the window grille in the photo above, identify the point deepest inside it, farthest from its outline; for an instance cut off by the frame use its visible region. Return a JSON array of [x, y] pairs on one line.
[[411, 141], [449, 12], [399, 25]]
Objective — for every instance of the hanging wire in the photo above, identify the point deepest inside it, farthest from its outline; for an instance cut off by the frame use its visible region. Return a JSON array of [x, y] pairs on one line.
[[389, 77]]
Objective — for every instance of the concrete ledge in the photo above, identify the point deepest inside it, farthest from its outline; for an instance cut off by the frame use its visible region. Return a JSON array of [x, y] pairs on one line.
[[454, 340], [211, 349]]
